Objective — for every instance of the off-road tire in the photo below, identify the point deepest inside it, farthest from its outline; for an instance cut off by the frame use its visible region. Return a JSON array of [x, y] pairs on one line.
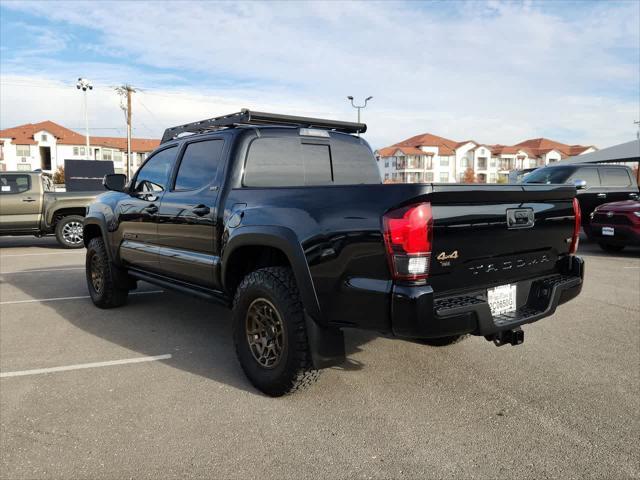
[[607, 247], [111, 294], [294, 370], [64, 237], [443, 341]]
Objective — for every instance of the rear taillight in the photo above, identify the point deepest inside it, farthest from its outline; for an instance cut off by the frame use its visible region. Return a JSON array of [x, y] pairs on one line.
[[576, 226], [408, 233]]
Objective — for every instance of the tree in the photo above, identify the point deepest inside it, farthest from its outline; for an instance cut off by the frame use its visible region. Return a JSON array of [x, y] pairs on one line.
[[469, 176], [58, 176]]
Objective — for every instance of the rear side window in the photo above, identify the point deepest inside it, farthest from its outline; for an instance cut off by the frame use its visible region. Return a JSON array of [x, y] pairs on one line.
[[291, 161], [14, 184], [589, 175], [199, 164], [154, 174], [287, 162], [615, 177]]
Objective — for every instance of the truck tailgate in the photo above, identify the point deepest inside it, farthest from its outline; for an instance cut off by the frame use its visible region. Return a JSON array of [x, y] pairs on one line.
[[485, 235]]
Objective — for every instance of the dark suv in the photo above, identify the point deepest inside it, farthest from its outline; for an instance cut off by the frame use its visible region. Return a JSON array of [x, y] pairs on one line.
[[596, 184], [285, 220]]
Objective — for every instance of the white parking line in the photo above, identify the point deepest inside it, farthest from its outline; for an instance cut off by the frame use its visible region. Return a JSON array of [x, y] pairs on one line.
[[47, 270], [40, 254], [36, 300], [81, 366]]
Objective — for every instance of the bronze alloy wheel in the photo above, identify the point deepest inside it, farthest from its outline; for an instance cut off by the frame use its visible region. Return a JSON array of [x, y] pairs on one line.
[[265, 332], [97, 273]]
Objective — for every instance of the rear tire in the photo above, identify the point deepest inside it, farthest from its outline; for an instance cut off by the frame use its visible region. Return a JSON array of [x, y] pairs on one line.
[[69, 231], [270, 333], [607, 247], [102, 277], [442, 341]]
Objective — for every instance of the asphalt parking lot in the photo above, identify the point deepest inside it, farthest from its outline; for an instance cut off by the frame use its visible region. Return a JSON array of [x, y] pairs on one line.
[[168, 400]]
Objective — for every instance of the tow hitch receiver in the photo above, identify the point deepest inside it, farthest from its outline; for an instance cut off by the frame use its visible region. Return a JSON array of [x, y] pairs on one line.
[[511, 337]]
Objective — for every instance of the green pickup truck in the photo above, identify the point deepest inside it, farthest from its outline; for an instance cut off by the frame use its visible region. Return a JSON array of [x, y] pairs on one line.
[[30, 206]]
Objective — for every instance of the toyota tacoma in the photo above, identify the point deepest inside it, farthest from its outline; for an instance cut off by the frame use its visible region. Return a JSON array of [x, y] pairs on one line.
[[285, 220]]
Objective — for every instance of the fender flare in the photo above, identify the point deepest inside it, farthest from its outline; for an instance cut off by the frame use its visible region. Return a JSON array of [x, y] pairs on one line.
[[285, 240], [100, 221]]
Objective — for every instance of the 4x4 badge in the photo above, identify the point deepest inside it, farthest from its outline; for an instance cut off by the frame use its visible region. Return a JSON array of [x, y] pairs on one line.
[[442, 256]]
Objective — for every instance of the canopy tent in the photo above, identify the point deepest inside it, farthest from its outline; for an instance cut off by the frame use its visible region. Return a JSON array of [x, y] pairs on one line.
[[625, 152]]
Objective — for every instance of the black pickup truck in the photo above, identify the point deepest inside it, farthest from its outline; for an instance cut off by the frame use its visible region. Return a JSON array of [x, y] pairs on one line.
[[285, 219]]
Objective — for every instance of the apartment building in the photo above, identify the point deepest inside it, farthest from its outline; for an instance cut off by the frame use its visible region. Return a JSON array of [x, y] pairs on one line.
[[430, 158], [46, 145]]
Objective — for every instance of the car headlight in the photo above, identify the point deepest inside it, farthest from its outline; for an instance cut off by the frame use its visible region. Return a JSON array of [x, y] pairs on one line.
[[637, 214]]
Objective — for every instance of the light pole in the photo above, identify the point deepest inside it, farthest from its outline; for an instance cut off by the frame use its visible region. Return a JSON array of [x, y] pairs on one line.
[[359, 107], [84, 85]]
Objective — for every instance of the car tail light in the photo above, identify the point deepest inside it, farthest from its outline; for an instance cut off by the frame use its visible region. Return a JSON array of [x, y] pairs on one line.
[[576, 226], [408, 234]]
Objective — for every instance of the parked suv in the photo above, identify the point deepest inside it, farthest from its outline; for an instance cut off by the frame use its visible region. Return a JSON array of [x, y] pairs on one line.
[[285, 219], [596, 184]]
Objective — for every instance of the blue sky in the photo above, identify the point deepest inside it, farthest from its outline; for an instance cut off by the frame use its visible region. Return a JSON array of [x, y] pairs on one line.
[[497, 72]]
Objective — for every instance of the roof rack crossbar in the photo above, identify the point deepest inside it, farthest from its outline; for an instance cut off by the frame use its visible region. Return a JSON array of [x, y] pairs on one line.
[[248, 117]]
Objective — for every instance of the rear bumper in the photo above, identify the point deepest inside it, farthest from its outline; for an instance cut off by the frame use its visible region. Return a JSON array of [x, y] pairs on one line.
[[624, 234], [416, 313]]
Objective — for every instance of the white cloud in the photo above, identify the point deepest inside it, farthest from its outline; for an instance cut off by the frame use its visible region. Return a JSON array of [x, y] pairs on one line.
[[497, 72]]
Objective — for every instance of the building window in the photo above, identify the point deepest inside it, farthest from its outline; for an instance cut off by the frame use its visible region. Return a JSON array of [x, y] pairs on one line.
[[428, 177], [23, 151], [493, 178], [444, 176], [43, 137], [107, 154], [386, 164], [75, 151], [482, 163], [444, 161], [464, 162], [117, 156], [386, 176], [24, 167], [493, 162]]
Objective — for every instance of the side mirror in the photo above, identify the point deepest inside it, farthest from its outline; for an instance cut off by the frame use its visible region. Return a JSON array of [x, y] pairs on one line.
[[115, 182], [580, 184]]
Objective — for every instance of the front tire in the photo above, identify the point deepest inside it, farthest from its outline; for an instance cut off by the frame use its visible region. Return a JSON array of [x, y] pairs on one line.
[[69, 231], [103, 288], [269, 332]]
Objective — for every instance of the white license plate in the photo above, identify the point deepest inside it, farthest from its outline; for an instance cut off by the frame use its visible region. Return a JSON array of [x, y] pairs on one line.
[[502, 299], [608, 231]]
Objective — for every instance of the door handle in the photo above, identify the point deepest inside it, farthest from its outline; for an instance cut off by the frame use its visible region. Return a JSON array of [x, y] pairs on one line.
[[201, 210], [602, 195], [28, 199], [150, 209]]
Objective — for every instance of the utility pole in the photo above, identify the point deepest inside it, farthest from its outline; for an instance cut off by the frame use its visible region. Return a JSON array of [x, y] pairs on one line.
[[637, 122], [127, 90], [84, 85]]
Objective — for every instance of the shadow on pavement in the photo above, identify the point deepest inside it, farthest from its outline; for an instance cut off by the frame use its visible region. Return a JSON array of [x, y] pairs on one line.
[[195, 332]]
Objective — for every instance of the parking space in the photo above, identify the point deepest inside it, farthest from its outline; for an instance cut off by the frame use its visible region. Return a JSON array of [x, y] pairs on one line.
[[168, 399]]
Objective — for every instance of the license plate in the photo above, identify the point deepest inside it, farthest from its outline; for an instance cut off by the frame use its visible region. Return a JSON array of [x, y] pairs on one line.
[[608, 231], [502, 299]]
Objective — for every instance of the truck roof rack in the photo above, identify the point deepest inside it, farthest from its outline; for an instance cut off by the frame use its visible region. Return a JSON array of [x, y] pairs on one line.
[[249, 117]]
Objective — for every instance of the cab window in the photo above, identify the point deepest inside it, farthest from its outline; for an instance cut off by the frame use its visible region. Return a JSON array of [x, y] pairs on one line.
[[14, 184], [154, 174], [589, 175], [615, 177]]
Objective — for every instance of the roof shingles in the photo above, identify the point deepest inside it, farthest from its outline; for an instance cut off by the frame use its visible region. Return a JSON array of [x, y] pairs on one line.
[[24, 135]]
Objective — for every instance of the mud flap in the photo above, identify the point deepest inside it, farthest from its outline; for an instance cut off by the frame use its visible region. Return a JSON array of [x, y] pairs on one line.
[[326, 344]]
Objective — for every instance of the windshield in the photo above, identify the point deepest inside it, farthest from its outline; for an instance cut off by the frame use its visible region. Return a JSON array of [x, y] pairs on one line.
[[549, 175]]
